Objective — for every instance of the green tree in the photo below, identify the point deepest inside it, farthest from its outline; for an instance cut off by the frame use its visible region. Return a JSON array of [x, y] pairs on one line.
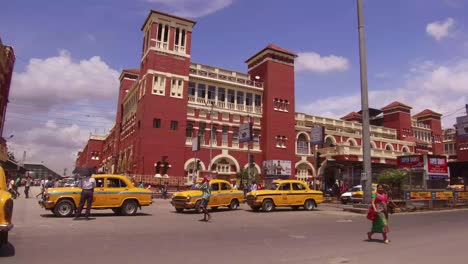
[[394, 178], [243, 175]]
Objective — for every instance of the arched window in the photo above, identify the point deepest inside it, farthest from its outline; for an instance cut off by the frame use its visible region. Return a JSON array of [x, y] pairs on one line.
[[189, 131], [388, 147], [352, 142], [329, 142], [302, 144]]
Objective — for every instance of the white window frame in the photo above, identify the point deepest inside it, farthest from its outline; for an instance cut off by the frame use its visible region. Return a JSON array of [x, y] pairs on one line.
[[159, 85], [177, 87]]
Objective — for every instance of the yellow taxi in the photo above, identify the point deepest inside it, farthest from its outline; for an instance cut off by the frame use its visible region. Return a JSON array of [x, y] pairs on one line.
[[355, 194], [112, 191], [6, 209], [222, 194], [285, 193]]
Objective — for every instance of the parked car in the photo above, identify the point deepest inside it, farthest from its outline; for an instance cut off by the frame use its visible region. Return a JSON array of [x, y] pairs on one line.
[[112, 191], [285, 193], [355, 194], [6, 209], [222, 194]]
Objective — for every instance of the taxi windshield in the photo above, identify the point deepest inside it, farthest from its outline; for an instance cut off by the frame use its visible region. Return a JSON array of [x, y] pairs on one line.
[[355, 189], [274, 186]]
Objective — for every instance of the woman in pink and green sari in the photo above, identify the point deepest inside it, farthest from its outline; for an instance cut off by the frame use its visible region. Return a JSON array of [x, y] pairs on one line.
[[380, 207]]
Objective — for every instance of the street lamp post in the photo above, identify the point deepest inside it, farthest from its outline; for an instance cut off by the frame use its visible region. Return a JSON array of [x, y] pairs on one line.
[[366, 178], [211, 137]]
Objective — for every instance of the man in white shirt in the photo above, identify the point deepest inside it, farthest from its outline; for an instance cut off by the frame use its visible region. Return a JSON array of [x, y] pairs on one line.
[[87, 185]]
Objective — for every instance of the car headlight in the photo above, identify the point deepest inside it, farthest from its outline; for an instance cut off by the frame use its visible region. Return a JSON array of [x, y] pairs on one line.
[[188, 198], [8, 210]]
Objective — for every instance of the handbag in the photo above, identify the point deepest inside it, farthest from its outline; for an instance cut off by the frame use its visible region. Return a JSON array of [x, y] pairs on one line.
[[371, 214]]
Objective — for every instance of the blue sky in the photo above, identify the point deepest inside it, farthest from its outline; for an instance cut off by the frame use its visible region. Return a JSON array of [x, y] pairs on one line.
[[70, 54]]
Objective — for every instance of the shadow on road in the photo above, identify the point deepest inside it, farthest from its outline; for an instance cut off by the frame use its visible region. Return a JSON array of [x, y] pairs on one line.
[[7, 250], [211, 211], [95, 215]]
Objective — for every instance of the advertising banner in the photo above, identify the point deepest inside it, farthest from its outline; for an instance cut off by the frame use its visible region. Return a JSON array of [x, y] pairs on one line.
[[437, 164], [196, 143], [462, 195], [444, 195], [411, 162], [245, 132], [317, 135], [462, 126], [277, 167], [421, 196]]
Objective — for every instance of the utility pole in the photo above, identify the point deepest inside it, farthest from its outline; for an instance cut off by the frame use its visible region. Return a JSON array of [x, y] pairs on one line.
[[366, 177], [211, 137]]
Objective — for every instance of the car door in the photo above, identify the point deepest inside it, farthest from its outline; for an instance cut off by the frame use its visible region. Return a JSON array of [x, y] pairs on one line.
[[99, 195], [284, 189], [114, 188], [215, 195], [225, 194], [298, 193]]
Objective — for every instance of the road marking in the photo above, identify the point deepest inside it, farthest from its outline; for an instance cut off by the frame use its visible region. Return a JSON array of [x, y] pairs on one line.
[[297, 236], [344, 221]]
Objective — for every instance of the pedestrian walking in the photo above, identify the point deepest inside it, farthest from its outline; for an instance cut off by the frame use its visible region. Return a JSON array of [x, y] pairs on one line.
[[87, 185], [206, 189], [11, 188], [378, 213], [27, 185], [17, 185]]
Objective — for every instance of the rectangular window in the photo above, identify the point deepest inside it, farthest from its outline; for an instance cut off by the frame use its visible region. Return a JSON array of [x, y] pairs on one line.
[[159, 84], [211, 93], [156, 123], [183, 38], [174, 125], [177, 87], [160, 29], [225, 134], [221, 94], [240, 97], [201, 129], [235, 137], [249, 99], [231, 96], [201, 90], [258, 100], [191, 88], [177, 36], [166, 33]]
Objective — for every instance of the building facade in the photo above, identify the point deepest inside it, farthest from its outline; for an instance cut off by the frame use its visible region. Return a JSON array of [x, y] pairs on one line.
[[7, 62], [91, 154], [170, 102]]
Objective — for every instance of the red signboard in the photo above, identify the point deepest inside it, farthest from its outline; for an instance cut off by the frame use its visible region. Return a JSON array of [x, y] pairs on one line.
[[437, 164], [412, 162]]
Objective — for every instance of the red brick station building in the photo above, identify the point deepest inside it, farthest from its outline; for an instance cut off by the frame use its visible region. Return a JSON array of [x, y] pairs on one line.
[[169, 100]]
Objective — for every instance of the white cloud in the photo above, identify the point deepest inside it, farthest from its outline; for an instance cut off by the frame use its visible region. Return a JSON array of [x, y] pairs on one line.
[[442, 88], [60, 80], [55, 103], [313, 62], [441, 29], [193, 8]]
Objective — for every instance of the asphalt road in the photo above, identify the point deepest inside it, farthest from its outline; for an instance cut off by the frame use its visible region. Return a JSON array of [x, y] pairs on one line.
[[159, 235]]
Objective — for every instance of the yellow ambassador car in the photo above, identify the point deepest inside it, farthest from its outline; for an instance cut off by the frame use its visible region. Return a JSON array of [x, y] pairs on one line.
[[222, 194], [285, 193], [6, 209], [114, 192]]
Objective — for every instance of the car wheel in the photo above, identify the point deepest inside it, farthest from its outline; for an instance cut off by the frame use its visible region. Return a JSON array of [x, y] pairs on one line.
[[344, 201], [117, 211], [234, 204], [179, 210], [3, 238], [64, 208], [198, 207], [268, 205], [129, 207], [309, 205]]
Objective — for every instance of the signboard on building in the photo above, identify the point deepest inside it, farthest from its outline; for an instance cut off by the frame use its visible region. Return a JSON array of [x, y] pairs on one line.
[[196, 143], [317, 134], [411, 162], [462, 126], [437, 164], [277, 167], [245, 132]]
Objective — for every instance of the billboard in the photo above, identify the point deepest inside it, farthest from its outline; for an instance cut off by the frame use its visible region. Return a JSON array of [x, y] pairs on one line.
[[437, 164], [317, 135], [411, 162], [277, 167], [462, 126], [245, 132]]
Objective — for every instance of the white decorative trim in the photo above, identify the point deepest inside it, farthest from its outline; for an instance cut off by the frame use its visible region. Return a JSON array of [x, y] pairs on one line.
[[302, 161], [270, 59], [225, 155], [354, 141], [233, 84], [189, 161], [167, 74]]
